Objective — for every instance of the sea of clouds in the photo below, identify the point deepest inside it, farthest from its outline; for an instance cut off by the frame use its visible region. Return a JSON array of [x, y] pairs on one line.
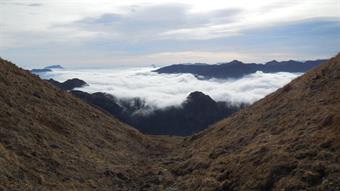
[[161, 90]]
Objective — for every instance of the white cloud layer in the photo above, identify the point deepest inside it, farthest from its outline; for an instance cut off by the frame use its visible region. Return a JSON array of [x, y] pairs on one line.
[[163, 90]]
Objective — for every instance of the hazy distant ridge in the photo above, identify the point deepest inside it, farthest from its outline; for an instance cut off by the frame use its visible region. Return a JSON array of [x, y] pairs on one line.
[[237, 69]]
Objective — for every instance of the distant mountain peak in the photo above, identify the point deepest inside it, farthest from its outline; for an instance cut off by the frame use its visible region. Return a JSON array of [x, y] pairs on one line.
[[37, 71], [196, 94], [69, 84], [236, 62], [54, 67], [272, 62], [46, 69], [198, 97]]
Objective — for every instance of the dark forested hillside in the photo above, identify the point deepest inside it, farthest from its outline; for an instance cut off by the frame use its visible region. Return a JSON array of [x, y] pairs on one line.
[[193, 115], [68, 84]]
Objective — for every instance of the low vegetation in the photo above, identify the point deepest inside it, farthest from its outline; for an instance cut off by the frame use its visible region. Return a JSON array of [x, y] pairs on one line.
[[51, 140]]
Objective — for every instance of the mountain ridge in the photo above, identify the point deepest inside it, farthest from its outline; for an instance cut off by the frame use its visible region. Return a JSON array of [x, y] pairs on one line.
[[68, 84], [237, 69], [289, 140], [194, 114]]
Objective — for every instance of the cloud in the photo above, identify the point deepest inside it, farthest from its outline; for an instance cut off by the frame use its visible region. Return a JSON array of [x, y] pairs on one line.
[[150, 23], [22, 4], [163, 90], [143, 32], [35, 4]]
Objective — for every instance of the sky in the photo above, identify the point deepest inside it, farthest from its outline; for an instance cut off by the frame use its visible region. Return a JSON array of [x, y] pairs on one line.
[[108, 33]]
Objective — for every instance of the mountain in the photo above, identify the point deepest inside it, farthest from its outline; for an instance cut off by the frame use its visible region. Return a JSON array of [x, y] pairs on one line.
[[237, 69], [105, 102], [35, 71], [68, 84], [50, 140], [54, 67], [46, 69], [290, 140], [196, 113]]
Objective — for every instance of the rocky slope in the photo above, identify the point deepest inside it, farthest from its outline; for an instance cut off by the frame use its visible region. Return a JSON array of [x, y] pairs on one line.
[[289, 140]]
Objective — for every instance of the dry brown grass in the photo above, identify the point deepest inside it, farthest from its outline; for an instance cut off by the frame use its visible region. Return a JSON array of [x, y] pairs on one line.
[[289, 140], [53, 141]]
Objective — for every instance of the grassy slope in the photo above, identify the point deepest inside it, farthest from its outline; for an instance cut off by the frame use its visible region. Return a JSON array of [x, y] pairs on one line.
[[289, 140], [53, 141]]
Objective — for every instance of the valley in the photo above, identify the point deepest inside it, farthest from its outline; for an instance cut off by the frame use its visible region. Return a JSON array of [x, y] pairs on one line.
[[51, 140]]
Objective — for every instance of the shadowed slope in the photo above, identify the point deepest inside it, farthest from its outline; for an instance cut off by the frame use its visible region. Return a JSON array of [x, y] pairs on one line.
[[289, 140], [50, 140], [196, 113]]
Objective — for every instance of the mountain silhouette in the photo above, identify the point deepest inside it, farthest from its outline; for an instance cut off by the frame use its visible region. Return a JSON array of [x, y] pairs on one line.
[[237, 69], [196, 113], [46, 69], [68, 84]]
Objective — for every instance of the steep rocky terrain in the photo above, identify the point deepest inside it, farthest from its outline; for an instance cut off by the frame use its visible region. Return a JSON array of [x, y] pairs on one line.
[[289, 140]]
